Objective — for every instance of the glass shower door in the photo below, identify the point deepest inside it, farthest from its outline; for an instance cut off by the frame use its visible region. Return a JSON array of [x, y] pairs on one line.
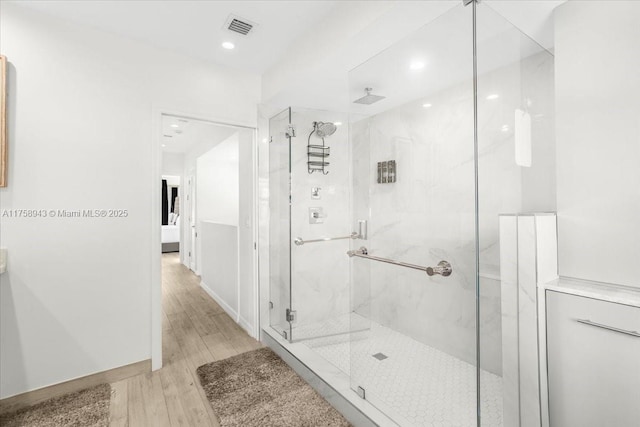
[[516, 174], [414, 179], [280, 222]]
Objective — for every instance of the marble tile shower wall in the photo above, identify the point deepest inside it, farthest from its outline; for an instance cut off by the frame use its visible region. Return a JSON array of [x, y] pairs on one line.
[[428, 214], [320, 285]]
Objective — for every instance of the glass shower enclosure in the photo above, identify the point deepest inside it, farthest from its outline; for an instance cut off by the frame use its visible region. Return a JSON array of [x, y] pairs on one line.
[[384, 235]]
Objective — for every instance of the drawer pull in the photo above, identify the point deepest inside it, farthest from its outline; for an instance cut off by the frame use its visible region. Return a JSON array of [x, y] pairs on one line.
[[610, 328]]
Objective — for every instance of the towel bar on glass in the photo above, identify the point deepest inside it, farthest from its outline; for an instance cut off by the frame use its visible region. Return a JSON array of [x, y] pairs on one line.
[[443, 268]]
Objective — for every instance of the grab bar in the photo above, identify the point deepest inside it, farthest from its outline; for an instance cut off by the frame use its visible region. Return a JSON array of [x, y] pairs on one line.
[[443, 268], [299, 241]]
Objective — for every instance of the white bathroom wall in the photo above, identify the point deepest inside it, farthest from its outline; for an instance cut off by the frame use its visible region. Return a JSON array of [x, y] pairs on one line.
[[598, 132], [76, 297]]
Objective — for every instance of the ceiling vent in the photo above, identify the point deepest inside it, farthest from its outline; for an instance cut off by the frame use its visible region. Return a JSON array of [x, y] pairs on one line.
[[239, 25]]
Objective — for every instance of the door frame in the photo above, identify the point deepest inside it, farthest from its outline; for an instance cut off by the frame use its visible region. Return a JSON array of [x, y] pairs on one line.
[[191, 260], [156, 222]]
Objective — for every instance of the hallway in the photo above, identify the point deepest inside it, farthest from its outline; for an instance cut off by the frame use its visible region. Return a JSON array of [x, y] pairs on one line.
[[196, 330]]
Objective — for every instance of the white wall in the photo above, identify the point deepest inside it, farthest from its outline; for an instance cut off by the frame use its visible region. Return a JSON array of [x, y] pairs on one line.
[[217, 183], [220, 271], [598, 140], [76, 297], [224, 186], [247, 312], [172, 164]]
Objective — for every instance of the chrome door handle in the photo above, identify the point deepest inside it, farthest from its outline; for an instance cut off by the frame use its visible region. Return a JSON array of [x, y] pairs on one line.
[[609, 328]]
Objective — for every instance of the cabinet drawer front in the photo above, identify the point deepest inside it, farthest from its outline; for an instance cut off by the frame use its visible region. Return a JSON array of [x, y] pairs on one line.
[[593, 352]]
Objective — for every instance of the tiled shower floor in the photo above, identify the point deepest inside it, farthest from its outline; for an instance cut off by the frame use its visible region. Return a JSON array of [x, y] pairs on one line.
[[416, 385]]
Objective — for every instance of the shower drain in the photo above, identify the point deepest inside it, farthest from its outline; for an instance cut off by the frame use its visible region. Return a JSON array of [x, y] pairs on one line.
[[380, 356]]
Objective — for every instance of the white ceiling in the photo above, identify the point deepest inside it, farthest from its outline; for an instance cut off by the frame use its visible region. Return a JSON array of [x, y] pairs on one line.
[[195, 28], [180, 135], [504, 28]]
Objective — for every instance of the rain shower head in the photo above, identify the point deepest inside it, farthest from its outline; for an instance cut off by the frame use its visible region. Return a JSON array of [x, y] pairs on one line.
[[368, 99], [324, 129]]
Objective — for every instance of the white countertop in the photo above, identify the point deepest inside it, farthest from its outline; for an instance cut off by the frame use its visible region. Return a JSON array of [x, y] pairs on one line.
[[603, 291]]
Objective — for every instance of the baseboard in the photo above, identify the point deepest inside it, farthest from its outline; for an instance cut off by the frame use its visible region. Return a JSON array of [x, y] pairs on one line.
[[33, 397], [226, 307], [248, 327]]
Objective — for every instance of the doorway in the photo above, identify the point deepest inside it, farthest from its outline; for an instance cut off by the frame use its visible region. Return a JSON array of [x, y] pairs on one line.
[[216, 165]]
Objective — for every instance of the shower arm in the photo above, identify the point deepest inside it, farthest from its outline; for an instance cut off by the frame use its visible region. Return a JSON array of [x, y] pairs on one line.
[[443, 268]]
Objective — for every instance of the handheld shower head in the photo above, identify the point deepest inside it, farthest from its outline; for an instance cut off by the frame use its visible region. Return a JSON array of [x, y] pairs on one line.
[[325, 129]]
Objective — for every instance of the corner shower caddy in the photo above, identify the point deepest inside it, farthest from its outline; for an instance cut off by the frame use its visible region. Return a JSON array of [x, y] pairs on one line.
[[317, 154]]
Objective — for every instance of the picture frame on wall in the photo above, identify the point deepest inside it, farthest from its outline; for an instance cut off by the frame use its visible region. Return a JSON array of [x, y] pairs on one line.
[[3, 121]]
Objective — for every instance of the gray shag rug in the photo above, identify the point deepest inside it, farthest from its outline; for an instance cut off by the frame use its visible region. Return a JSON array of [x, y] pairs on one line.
[[258, 389], [86, 408]]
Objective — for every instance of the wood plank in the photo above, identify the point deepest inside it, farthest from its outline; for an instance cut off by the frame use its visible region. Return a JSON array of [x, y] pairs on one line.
[[147, 405], [219, 346], [119, 407], [184, 400], [36, 396]]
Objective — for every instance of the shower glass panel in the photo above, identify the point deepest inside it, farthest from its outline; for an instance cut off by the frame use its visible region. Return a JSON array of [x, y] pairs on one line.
[[414, 182], [320, 225], [516, 174], [310, 225], [279, 222]]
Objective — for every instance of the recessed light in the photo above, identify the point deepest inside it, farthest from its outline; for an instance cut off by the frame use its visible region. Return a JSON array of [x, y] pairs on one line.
[[427, 105], [164, 145], [174, 125], [337, 123], [417, 65], [228, 45], [493, 96], [505, 128]]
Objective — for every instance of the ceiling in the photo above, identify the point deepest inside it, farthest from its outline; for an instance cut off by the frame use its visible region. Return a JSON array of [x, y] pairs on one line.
[[195, 28], [180, 134]]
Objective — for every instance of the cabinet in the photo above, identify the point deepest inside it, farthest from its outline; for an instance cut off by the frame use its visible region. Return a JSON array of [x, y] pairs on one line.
[[593, 372]]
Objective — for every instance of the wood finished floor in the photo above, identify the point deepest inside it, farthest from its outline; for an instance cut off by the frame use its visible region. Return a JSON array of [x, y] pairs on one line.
[[195, 331]]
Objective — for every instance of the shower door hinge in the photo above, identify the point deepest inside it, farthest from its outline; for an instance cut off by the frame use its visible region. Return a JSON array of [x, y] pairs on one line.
[[361, 392], [291, 131], [292, 315], [284, 334]]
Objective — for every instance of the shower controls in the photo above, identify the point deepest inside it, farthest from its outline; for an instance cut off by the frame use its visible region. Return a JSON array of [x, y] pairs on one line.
[[387, 172], [316, 215], [315, 193]]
